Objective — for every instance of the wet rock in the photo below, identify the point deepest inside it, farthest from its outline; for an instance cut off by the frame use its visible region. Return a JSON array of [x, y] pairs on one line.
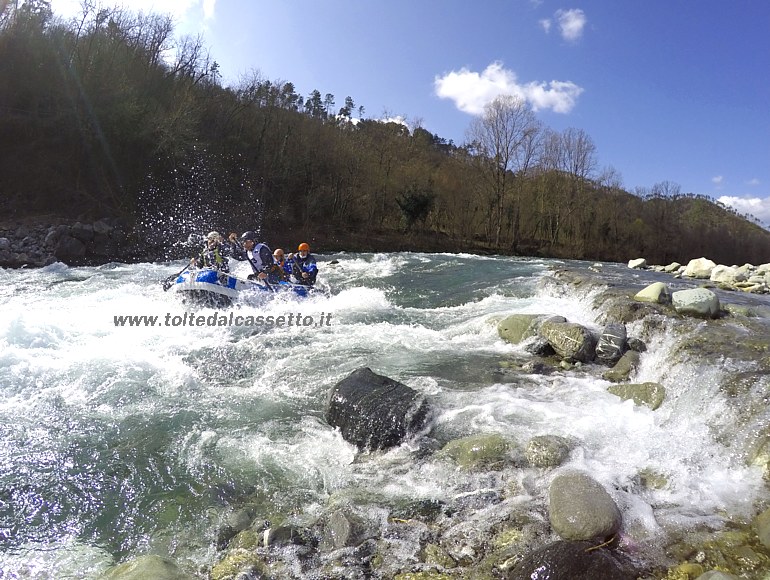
[[569, 561], [236, 564], [612, 344], [762, 527], [698, 302], [373, 411], [518, 327], [717, 575], [341, 529], [476, 452], [571, 341], [623, 369], [637, 264], [145, 567], [650, 394], [547, 450], [580, 508]]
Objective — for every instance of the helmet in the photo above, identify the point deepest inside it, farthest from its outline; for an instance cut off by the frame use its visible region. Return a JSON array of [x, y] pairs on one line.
[[303, 247], [213, 236], [249, 235]]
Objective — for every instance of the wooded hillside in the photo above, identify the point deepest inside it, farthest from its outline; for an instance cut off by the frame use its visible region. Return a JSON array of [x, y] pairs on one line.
[[113, 116]]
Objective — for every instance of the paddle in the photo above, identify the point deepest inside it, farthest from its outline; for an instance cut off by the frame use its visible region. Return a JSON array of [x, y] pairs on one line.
[[169, 282]]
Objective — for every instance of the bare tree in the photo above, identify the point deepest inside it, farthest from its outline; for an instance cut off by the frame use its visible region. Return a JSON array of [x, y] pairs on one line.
[[503, 138]]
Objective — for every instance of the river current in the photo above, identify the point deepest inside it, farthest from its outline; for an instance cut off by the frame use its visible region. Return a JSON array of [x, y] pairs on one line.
[[120, 440]]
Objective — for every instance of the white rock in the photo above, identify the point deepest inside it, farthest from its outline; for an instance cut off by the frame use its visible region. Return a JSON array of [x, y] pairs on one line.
[[699, 268], [637, 264]]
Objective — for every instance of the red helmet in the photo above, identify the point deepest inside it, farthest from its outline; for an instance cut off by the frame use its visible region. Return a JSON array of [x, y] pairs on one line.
[[303, 247]]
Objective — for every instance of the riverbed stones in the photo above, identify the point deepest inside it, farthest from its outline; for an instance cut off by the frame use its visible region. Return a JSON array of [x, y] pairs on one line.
[[698, 302], [717, 575], [373, 411], [649, 394], [569, 561], [581, 509], [571, 341], [637, 264], [656, 293]]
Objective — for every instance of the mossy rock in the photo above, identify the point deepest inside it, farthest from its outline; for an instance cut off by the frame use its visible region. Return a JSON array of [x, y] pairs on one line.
[[475, 452], [426, 575], [436, 555], [518, 327], [235, 562], [145, 567], [650, 394]]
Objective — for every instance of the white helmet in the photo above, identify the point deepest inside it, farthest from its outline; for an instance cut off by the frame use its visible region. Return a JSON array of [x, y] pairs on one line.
[[213, 236]]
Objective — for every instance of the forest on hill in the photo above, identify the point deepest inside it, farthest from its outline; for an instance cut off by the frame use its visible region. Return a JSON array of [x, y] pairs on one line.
[[114, 116]]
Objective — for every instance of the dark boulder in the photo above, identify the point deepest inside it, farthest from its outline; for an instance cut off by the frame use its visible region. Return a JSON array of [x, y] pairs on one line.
[[612, 344], [569, 561], [373, 411]]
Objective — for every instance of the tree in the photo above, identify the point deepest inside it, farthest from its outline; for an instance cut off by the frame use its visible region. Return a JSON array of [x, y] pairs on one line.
[[502, 138]]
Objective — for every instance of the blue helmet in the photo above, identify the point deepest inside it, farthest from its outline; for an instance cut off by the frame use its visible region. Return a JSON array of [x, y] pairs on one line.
[[249, 235]]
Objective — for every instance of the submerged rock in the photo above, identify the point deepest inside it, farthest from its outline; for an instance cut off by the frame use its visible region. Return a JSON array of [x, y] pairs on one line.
[[649, 394], [482, 451], [569, 561], [145, 567], [547, 450], [581, 509], [373, 411]]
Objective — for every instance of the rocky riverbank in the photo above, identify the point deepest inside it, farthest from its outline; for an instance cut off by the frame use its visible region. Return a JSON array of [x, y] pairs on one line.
[[523, 512]]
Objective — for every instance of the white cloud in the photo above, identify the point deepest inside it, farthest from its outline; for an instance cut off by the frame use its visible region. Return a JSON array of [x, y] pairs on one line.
[[571, 23], [755, 206], [546, 24], [471, 91], [753, 182], [718, 180]]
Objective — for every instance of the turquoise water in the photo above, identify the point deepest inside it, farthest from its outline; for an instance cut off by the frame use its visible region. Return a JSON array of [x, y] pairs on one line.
[[117, 441]]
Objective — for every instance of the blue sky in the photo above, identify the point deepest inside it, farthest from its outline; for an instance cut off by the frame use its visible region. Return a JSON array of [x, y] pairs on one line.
[[668, 90]]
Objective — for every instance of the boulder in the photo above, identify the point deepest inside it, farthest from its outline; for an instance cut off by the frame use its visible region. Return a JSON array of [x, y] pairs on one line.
[[637, 264], [699, 302], [657, 293], [145, 567], [373, 411], [569, 561], [650, 394], [343, 529], [480, 451], [517, 327], [672, 267], [571, 341], [727, 275], [699, 268], [612, 344], [579, 508], [547, 450], [69, 249], [623, 369]]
